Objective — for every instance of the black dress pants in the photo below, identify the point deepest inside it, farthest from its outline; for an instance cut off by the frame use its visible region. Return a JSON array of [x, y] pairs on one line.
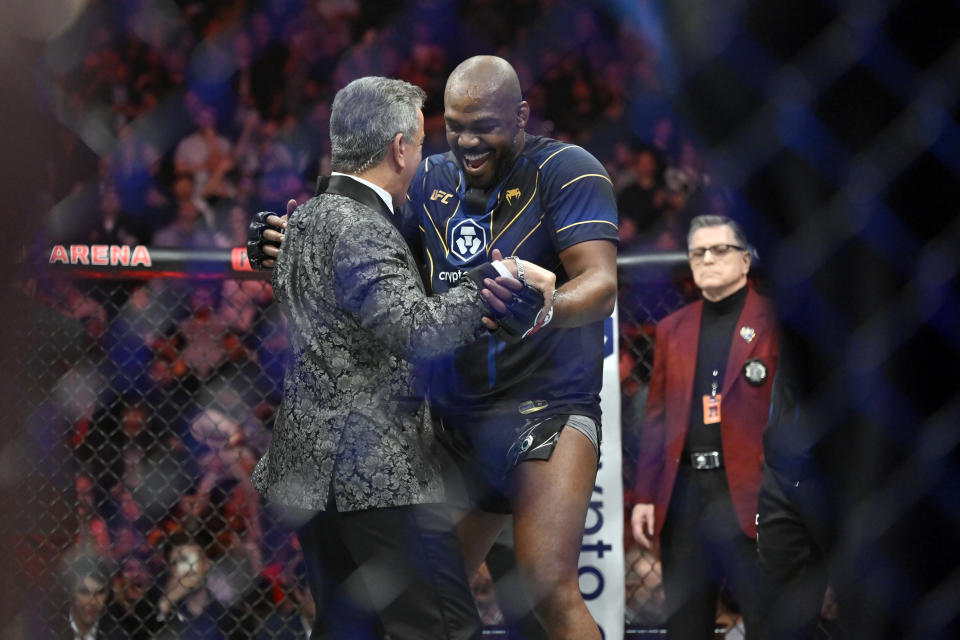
[[703, 548], [792, 537], [396, 570]]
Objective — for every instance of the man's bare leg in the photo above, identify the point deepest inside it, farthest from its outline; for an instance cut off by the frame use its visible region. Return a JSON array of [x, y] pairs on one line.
[[477, 531], [551, 498]]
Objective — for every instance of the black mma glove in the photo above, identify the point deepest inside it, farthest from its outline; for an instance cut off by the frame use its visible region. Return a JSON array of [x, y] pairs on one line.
[[524, 316], [256, 241]]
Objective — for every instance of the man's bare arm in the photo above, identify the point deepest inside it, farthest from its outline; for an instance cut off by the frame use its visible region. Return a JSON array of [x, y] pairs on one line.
[[591, 292]]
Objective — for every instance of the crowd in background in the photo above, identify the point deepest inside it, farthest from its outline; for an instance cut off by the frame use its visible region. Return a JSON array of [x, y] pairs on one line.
[[177, 121]]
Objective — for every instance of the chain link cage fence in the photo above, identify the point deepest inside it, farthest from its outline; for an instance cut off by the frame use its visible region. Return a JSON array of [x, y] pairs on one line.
[[150, 388], [833, 127]]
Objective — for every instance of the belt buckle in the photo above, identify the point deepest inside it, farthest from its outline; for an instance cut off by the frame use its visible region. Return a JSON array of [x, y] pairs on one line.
[[705, 460]]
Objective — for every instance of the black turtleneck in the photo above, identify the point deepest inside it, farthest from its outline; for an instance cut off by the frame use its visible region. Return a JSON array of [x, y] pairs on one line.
[[713, 348]]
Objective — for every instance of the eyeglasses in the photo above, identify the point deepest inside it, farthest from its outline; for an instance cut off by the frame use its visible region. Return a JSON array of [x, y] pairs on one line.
[[718, 251]]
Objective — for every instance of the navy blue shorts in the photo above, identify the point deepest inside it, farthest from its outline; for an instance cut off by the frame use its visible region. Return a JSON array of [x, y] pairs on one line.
[[481, 453]]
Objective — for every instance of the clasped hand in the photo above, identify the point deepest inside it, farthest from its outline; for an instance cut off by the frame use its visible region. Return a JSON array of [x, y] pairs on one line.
[[517, 309]]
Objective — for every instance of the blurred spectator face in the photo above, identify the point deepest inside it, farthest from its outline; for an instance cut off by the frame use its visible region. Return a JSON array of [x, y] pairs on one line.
[[110, 202], [678, 181], [190, 509], [483, 133], [627, 231], [133, 420], [148, 101], [269, 127], [189, 564], [85, 495], [130, 510], [176, 62], [160, 372], [261, 30], [126, 539], [88, 600], [202, 300], [689, 158], [183, 186], [187, 214], [645, 168], [582, 92], [663, 133], [675, 201], [133, 581], [242, 49], [205, 118], [621, 154], [720, 271], [215, 430]]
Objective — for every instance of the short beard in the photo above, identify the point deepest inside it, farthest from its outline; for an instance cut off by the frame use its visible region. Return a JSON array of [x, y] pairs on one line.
[[503, 163]]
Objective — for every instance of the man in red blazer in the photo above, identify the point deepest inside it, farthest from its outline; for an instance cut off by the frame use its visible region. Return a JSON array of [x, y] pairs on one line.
[[701, 449]]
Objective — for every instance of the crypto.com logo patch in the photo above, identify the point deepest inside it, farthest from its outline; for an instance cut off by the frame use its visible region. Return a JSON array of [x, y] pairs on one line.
[[467, 240]]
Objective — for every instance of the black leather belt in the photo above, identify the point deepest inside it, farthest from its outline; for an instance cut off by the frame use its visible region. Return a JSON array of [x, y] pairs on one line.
[[704, 460]]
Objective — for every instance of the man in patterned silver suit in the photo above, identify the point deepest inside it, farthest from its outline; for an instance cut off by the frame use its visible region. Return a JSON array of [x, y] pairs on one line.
[[352, 443]]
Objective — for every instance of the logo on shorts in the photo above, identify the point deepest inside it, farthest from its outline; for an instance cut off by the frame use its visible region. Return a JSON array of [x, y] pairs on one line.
[[527, 442], [531, 406], [468, 239]]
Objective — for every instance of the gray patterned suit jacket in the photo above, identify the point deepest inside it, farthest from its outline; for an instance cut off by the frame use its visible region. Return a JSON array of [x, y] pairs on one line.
[[359, 321]]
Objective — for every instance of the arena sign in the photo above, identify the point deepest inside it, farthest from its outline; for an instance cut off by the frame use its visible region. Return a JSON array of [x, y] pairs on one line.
[[142, 262], [103, 255]]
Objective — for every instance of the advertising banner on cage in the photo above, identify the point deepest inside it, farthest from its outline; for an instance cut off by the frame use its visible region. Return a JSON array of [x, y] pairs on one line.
[[141, 262], [601, 554]]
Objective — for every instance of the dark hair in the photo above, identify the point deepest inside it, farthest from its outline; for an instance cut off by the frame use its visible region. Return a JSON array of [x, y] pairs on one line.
[[200, 539], [700, 222], [87, 566]]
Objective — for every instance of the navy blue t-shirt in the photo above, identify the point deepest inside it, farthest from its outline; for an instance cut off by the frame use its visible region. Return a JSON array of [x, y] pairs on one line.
[[555, 196]]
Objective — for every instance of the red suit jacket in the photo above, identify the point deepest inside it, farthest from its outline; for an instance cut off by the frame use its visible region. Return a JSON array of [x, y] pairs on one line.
[[745, 408]]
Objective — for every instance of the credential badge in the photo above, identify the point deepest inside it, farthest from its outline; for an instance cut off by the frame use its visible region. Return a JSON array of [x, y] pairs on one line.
[[755, 372], [748, 333]]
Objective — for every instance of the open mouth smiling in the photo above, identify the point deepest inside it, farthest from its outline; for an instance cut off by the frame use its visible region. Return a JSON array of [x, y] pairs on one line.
[[474, 162]]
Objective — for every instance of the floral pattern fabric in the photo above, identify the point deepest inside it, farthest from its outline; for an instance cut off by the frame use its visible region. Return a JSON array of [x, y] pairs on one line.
[[361, 328]]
